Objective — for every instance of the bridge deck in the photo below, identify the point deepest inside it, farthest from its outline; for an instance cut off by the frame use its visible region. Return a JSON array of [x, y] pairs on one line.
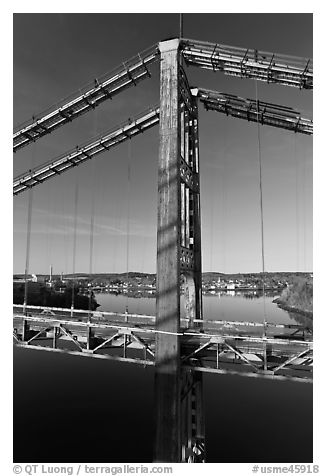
[[213, 346]]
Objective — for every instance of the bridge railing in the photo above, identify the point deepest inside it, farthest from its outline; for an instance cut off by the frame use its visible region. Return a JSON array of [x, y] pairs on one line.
[[102, 317]]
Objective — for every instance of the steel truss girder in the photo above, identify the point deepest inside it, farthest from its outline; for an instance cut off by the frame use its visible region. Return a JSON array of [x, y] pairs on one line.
[[249, 63], [204, 342], [55, 327], [222, 343], [65, 319], [186, 334], [59, 325], [270, 114], [87, 98], [86, 152]]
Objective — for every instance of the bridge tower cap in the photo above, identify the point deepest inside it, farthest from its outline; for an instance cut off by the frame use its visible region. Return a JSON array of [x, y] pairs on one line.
[[169, 45]]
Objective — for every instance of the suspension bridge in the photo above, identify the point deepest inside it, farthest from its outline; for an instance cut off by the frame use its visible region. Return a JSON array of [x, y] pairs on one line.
[[180, 348]]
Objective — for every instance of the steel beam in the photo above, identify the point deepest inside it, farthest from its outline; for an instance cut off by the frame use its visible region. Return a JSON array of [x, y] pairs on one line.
[[240, 62], [265, 113], [202, 369], [87, 151], [269, 114], [249, 63]]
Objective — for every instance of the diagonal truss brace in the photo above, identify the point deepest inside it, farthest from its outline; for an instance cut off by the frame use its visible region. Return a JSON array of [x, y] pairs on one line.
[[68, 334], [242, 357], [143, 344], [106, 342], [15, 336], [291, 359], [58, 326], [124, 332], [35, 337], [199, 349]]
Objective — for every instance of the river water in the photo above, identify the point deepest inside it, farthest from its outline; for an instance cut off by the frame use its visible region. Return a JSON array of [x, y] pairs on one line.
[[229, 306], [74, 409]]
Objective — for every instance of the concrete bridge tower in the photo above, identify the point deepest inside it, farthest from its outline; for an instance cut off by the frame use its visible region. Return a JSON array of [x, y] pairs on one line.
[[179, 415]]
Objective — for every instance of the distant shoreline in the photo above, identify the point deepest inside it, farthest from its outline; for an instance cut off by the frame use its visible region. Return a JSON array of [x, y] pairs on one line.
[[297, 310]]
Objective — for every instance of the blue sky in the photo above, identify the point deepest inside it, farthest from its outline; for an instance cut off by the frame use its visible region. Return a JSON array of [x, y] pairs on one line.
[[55, 54]]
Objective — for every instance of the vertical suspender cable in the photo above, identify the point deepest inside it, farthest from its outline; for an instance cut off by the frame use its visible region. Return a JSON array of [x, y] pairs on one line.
[[28, 237], [211, 233], [128, 222], [261, 206], [64, 234], [28, 244], [91, 234], [304, 209], [74, 251], [296, 203], [91, 242], [224, 197]]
